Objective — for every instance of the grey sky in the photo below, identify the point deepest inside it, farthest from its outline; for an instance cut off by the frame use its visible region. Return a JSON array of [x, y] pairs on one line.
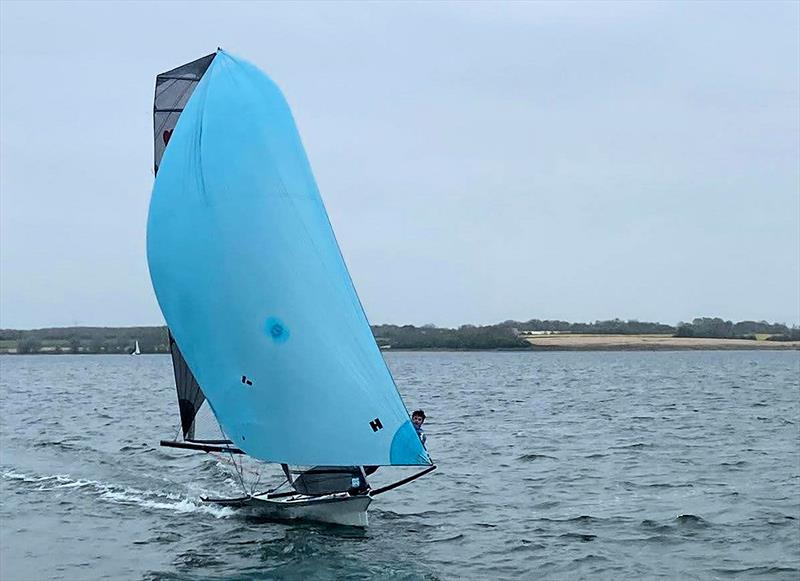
[[479, 162]]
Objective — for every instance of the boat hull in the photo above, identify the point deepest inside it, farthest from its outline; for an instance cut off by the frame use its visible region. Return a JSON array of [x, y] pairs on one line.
[[340, 509]]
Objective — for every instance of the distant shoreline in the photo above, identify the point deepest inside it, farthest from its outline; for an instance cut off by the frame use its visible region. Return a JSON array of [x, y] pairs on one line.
[[501, 337], [719, 345]]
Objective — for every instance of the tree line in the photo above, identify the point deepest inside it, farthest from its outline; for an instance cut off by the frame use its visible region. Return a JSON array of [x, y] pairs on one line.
[[505, 335], [717, 328], [432, 337], [86, 339], [610, 327]]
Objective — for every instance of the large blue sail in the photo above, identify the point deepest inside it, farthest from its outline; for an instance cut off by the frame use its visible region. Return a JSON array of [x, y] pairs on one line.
[[254, 289]]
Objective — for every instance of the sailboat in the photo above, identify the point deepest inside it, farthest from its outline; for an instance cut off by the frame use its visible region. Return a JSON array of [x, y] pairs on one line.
[[265, 326], [136, 350]]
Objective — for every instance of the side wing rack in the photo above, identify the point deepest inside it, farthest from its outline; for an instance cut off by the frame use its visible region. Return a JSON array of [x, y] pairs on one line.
[[201, 447], [394, 485]]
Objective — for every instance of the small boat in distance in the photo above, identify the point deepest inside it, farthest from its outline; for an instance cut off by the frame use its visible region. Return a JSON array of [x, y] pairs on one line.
[[265, 327], [136, 350]]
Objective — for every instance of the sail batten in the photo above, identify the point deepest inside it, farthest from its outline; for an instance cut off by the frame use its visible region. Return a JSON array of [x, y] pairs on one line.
[[254, 288]]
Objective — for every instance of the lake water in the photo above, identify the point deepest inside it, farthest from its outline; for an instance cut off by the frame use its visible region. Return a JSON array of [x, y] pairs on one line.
[[551, 465]]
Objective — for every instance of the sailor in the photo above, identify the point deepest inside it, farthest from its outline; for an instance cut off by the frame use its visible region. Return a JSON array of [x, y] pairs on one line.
[[418, 418]]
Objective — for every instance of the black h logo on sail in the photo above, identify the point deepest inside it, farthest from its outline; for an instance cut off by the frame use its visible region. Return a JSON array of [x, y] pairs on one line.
[[376, 425], [245, 380]]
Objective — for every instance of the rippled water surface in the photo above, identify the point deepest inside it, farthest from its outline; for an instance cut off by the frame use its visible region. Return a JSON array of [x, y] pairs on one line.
[[551, 465]]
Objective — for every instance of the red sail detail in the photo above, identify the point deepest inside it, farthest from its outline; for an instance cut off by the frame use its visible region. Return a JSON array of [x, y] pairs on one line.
[[167, 135]]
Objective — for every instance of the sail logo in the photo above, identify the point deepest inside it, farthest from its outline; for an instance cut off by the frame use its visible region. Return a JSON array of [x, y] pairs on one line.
[[376, 425], [167, 134], [276, 330]]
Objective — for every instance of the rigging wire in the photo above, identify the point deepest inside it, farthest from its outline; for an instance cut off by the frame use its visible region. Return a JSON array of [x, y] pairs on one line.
[[238, 468], [225, 460]]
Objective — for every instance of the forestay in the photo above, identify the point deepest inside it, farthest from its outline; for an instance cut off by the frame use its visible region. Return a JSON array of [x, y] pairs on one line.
[[253, 286]]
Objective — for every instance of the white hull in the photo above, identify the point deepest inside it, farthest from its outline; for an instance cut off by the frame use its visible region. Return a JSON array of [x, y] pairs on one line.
[[340, 509]]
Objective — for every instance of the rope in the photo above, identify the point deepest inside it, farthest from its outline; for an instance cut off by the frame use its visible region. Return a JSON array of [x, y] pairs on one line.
[[237, 468]]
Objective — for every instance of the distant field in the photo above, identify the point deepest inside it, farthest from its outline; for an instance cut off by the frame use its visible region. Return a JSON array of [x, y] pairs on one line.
[[590, 342]]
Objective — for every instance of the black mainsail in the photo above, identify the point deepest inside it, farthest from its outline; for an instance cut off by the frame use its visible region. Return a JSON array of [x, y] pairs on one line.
[[190, 396], [173, 90]]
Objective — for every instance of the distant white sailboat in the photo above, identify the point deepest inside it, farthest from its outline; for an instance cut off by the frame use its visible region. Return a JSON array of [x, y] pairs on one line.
[[136, 350]]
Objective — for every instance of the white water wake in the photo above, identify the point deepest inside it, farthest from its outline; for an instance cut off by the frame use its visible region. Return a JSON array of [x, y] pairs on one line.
[[117, 494]]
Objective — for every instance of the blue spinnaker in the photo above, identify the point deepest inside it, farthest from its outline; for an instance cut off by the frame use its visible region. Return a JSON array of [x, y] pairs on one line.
[[255, 291]]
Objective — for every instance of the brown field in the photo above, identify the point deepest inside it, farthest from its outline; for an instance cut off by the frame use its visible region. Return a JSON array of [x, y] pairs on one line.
[[579, 342]]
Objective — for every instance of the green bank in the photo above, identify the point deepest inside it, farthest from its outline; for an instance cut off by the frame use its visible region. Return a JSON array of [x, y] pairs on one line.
[[505, 335]]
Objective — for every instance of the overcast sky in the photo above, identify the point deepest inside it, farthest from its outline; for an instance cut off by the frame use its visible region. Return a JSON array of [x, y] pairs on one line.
[[479, 162]]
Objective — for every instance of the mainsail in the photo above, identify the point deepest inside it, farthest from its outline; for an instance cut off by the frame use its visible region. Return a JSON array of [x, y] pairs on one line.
[[173, 90], [190, 396], [254, 288]]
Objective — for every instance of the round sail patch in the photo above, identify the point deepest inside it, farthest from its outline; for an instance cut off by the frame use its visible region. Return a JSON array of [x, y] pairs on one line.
[[276, 330]]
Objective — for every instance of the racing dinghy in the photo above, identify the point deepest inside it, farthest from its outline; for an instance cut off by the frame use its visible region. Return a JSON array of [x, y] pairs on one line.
[[265, 327]]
